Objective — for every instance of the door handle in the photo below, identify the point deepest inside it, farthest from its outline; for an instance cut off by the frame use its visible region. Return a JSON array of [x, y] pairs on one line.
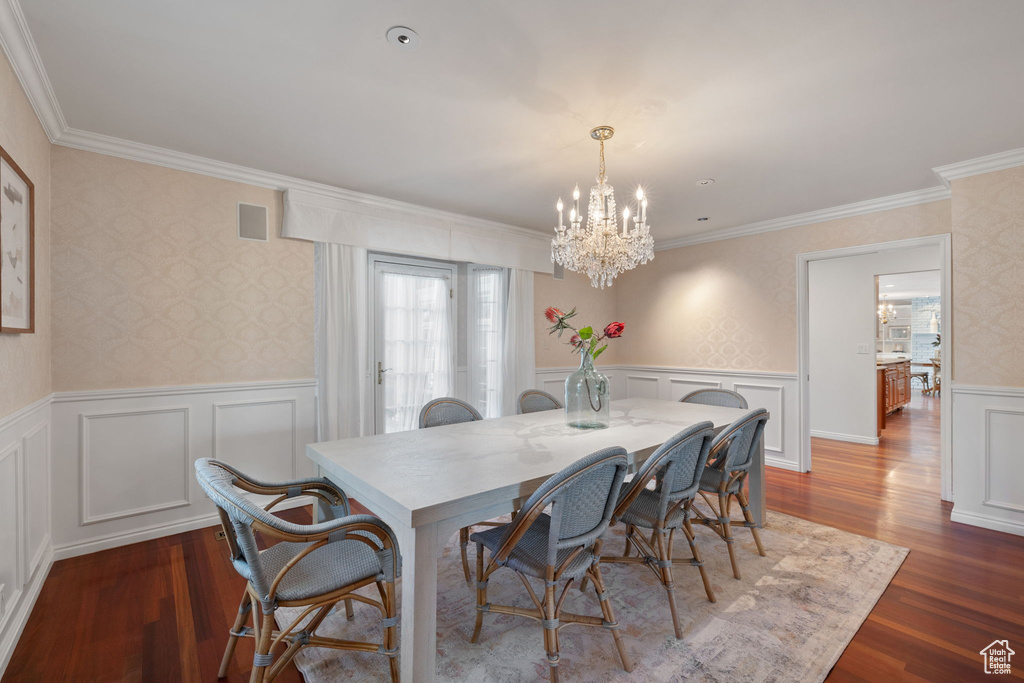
[[380, 372]]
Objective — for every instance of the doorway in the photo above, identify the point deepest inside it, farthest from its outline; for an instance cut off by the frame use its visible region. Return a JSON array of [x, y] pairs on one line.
[[838, 387], [413, 338]]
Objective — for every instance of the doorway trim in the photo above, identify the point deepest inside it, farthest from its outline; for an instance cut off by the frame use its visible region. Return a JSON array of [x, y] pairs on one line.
[[944, 242]]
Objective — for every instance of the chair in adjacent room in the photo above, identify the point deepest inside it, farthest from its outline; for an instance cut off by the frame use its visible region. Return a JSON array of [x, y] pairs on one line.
[[729, 462], [448, 411], [535, 400], [564, 545], [677, 467], [715, 397], [314, 566]]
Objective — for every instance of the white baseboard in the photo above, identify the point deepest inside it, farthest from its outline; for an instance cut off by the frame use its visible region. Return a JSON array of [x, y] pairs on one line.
[[994, 523], [852, 438], [781, 464], [16, 624]]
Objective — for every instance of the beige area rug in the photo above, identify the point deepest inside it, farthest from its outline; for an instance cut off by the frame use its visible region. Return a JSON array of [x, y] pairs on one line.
[[788, 619]]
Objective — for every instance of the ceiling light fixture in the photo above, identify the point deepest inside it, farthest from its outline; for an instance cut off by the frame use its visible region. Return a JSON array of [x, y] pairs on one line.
[[600, 250], [403, 37], [706, 181]]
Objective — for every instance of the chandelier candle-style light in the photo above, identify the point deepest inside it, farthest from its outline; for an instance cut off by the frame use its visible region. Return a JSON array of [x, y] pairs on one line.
[[601, 250], [886, 312]]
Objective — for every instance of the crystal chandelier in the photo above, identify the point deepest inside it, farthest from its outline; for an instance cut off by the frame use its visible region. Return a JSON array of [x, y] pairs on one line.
[[601, 250], [886, 312]]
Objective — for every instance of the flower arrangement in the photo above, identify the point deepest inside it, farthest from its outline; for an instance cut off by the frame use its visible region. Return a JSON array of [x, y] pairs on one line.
[[584, 338]]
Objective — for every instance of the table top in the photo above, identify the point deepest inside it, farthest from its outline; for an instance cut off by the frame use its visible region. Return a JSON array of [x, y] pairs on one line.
[[426, 475]]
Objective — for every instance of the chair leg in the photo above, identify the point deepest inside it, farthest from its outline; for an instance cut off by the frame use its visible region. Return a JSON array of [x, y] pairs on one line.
[[665, 560], [349, 614], [262, 659], [463, 544], [697, 560], [550, 625], [723, 519], [391, 632], [749, 519], [235, 633], [481, 592], [609, 614]]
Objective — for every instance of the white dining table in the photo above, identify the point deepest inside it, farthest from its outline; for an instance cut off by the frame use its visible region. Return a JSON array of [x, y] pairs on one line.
[[429, 483]]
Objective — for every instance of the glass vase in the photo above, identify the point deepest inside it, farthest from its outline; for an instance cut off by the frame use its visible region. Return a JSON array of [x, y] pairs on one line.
[[587, 396]]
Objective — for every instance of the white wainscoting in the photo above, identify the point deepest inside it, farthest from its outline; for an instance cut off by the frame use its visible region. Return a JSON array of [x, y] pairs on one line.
[[24, 517], [123, 460], [775, 391], [988, 457]]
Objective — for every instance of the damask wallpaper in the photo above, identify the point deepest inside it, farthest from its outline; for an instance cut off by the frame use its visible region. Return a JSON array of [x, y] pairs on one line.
[[152, 286], [595, 306], [732, 304], [25, 358], [988, 278]]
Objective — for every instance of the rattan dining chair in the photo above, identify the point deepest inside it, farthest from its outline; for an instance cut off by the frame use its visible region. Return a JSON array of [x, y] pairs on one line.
[[314, 566], [732, 454], [535, 401], [562, 545], [716, 397], [677, 466], [449, 411]]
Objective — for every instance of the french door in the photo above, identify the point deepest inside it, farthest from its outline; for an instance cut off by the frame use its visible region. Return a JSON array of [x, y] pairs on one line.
[[413, 338]]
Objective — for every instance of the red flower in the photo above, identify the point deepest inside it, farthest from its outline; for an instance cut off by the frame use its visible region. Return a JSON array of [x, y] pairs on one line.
[[575, 340], [614, 330], [552, 314]]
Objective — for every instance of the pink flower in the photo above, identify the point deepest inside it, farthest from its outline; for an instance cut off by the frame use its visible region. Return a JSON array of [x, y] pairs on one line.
[[575, 340], [552, 314], [614, 330]]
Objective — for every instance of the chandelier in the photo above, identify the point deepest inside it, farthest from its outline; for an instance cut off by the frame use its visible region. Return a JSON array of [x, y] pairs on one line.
[[886, 311], [602, 250]]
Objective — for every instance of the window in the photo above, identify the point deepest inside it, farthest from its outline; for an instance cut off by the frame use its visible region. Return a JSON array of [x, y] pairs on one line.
[[488, 293]]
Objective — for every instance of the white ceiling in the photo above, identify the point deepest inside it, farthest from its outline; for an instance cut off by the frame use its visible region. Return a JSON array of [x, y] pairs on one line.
[[792, 106], [909, 285]]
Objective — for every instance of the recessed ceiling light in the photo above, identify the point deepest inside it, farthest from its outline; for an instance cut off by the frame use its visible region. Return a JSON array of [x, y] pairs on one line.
[[403, 37], [890, 285], [702, 218], [706, 181]]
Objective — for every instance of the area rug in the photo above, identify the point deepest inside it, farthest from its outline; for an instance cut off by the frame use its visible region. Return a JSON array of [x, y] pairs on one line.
[[788, 619]]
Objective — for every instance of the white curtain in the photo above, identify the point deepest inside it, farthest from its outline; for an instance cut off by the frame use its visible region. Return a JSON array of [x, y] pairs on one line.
[[344, 389], [488, 292], [518, 371], [417, 332]]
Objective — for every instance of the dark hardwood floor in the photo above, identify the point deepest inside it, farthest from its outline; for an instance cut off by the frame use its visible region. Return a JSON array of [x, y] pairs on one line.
[[160, 610]]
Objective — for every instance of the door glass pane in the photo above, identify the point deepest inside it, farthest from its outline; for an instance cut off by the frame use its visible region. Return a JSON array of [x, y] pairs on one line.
[[416, 349]]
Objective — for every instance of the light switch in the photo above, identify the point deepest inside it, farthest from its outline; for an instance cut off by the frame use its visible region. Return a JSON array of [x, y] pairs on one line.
[[863, 348]]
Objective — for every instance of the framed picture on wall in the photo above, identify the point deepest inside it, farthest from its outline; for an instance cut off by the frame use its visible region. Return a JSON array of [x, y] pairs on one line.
[[899, 332], [17, 248]]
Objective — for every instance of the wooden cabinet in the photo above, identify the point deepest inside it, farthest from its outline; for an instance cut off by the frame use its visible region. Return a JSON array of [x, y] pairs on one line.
[[893, 388]]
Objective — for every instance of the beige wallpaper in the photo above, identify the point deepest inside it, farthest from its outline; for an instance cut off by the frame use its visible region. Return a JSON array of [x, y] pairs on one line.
[[596, 307], [988, 278], [152, 286], [732, 304], [25, 358]]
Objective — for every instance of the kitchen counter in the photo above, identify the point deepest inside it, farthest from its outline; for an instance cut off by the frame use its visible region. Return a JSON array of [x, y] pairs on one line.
[[893, 387]]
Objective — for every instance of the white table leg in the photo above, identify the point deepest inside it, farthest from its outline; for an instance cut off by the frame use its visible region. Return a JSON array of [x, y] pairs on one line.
[[755, 486], [419, 603]]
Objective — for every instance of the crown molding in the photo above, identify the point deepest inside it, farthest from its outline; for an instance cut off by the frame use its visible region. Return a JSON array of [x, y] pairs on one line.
[[27, 65], [160, 156], [895, 201], [986, 164]]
